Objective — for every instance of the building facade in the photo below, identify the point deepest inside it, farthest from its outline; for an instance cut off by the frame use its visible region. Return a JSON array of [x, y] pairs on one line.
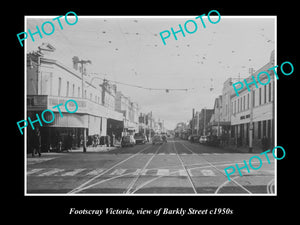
[[130, 111], [50, 83], [254, 107]]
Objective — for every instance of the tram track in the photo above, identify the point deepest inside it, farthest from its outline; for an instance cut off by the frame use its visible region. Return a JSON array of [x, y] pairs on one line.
[[82, 186], [220, 171]]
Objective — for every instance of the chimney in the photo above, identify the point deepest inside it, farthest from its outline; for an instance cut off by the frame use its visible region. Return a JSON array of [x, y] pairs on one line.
[[75, 60]]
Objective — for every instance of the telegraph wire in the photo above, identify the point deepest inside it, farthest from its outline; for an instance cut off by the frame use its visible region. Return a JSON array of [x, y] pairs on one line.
[[167, 90]]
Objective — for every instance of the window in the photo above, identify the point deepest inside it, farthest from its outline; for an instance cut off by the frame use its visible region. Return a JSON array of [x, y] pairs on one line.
[[59, 86], [264, 128], [248, 100], [259, 96], [244, 102], [78, 94], [67, 93], [265, 94], [238, 105], [270, 91], [234, 107], [241, 104], [73, 90]]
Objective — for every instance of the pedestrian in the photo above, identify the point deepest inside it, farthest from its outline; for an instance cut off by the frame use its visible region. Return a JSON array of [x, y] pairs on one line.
[[36, 143], [59, 142], [265, 143], [102, 140], [112, 140], [107, 140]]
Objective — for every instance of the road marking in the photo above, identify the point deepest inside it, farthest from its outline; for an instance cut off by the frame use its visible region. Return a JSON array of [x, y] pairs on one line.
[[118, 172], [183, 173], [188, 171], [73, 172], [81, 187], [131, 185], [95, 172], [208, 173], [51, 172], [219, 170], [163, 172], [33, 171]]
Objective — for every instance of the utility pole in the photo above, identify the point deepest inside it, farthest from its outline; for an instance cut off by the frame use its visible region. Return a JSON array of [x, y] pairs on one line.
[[251, 122], [82, 62], [204, 131]]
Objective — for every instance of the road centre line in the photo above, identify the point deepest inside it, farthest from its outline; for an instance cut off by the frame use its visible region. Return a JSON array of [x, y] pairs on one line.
[[77, 189], [219, 170], [130, 186], [184, 167]]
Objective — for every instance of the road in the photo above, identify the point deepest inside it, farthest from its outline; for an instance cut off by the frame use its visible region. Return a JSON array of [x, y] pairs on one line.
[[175, 167]]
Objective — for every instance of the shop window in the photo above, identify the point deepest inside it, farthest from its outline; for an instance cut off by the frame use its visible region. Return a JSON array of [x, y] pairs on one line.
[[259, 130]]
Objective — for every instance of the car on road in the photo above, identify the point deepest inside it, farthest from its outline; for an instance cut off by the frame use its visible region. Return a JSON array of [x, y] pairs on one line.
[[127, 140], [140, 138], [157, 139], [164, 138], [203, 139]]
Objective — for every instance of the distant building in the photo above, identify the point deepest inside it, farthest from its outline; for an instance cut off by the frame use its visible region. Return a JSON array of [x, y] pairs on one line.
[[130, 111]]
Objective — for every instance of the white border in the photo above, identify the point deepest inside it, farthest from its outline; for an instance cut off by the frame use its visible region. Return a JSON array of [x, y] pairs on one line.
[[130, 17]]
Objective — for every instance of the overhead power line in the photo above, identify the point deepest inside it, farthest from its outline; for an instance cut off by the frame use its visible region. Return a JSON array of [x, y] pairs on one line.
[[167, 90]]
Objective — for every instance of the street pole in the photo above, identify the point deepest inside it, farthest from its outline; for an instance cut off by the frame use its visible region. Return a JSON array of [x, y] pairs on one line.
[[251, 123], [204, 131], [82, 87]]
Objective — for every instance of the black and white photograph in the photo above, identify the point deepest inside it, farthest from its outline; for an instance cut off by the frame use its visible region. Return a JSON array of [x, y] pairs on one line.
[[150, 105]]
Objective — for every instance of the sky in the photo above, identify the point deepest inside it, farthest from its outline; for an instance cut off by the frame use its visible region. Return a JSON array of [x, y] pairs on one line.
[[130, 50]]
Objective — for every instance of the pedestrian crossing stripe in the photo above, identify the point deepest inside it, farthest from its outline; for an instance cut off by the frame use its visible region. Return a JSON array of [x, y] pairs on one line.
[[73, 172], [34, 171], [46, 172], [51, 172]]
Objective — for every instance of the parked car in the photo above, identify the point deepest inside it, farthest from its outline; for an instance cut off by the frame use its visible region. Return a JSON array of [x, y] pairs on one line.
[[203, 139], [157, 139], [194, 138], [127, 140], [140, 138]]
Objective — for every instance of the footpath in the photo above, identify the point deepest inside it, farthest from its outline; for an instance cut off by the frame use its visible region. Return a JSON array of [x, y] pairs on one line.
[[98, 148]]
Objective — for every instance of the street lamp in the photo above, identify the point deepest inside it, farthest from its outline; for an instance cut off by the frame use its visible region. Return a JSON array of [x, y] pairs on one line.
[[82, 62]]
